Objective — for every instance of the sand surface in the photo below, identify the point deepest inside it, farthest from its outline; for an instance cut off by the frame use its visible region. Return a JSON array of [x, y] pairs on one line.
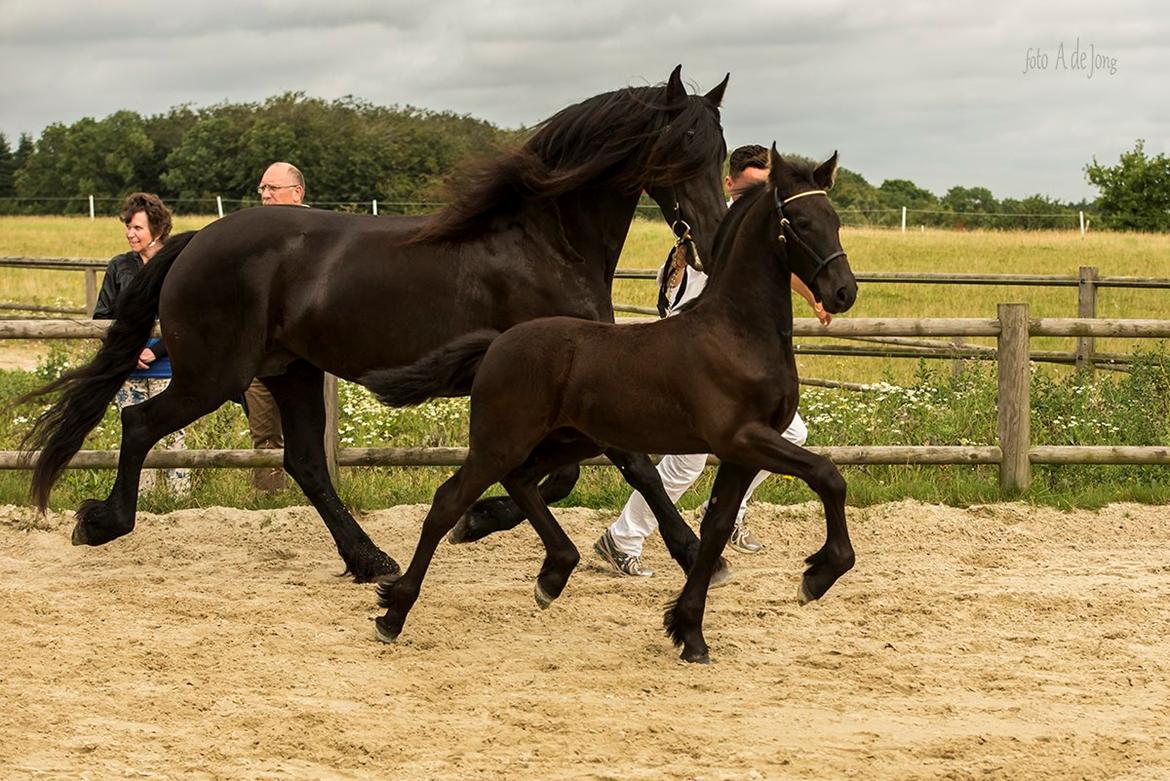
[[996, 642]]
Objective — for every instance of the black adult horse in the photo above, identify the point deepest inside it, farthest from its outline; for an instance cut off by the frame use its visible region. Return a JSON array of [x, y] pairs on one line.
[[560, 389], [286, 293]]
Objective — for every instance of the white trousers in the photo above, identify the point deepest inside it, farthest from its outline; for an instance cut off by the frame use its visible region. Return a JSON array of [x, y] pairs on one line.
[[678, 473]]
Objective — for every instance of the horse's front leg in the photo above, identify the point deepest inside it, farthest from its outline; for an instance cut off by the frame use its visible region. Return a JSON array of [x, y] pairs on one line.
[[684, 617], [759, 444]]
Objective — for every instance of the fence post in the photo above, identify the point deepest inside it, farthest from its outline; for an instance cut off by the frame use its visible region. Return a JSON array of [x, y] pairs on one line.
[[1082, 224], [332, 436], [1086, 307], [92, 213], [219, 205], [375, 202], [903, 219], [1014, 406], [91, 291]]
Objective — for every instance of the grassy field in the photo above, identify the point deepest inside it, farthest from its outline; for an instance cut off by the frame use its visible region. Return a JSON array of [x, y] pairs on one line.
[[936, 408]]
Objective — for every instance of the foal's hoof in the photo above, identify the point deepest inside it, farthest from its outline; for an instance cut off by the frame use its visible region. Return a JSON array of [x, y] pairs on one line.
[[97, 524], [803, 595], [696, 657], [543, 600], [382, 631]]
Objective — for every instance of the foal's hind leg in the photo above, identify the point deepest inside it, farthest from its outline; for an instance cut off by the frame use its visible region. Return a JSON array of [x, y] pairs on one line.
[[298, 394], [398, 594], [143, 425], [684, 617], [500, 513]]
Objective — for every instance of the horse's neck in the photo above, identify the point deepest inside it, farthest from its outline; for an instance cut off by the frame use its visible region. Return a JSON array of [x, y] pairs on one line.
[[589, 227], [754, 288]]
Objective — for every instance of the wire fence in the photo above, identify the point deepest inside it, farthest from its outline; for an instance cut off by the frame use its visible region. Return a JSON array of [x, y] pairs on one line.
[[907, 219]]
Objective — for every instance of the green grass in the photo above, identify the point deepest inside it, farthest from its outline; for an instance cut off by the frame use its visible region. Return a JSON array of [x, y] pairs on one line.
[[944, 409]]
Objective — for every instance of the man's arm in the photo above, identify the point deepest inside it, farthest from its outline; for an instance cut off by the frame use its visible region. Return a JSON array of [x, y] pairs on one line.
[[808, 296]]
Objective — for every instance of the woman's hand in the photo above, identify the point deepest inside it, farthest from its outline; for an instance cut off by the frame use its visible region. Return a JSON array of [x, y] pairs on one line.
[[822, 315], [146, 358]]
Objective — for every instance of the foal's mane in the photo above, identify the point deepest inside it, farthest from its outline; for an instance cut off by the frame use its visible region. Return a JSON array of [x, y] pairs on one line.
[[629, 139]]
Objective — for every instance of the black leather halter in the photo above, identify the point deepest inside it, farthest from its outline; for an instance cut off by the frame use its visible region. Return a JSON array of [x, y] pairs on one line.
[[786, 226]]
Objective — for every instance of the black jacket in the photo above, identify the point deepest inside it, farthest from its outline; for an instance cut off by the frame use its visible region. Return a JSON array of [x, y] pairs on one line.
[[120, 270]]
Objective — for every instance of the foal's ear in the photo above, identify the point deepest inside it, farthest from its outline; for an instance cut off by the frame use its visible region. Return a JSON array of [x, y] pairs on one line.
[[715, 96], [675, 91], [826, 174], [775, 163]]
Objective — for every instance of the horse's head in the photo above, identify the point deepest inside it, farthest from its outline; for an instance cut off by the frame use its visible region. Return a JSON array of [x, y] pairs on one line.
[[809, 232], [684, 166]]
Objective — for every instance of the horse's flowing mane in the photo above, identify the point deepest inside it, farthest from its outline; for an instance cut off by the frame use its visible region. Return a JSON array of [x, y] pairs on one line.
[[628, 139]]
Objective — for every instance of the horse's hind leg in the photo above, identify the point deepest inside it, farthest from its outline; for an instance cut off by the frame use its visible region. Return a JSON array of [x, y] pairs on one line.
[[299, 395], [500, 513], [143, 425], [684, 617]]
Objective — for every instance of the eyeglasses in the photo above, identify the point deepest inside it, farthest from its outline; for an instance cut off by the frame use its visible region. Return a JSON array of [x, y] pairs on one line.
[[271, 187]]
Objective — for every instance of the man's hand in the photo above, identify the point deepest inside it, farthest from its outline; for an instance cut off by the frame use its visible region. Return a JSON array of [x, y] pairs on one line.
[[822, 315], [146, 358]]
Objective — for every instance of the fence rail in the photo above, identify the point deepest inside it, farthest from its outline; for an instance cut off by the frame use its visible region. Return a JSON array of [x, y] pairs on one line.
[[1014, 452]]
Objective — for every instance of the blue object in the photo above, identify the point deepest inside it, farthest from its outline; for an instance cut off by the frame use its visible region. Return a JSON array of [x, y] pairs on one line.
[[159, 370]]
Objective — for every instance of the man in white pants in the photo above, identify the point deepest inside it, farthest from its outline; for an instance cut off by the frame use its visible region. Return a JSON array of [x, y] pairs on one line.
[[620, 547]]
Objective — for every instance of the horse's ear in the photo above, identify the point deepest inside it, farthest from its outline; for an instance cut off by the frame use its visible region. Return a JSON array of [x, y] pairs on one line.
[[775, 162], [826, 174], [675, 91], [715, 96]]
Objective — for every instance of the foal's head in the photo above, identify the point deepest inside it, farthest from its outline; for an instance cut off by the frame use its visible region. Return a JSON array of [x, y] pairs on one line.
[[808, 234]]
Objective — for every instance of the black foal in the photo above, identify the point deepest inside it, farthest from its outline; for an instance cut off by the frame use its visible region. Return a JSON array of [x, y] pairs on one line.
[[556, 390]]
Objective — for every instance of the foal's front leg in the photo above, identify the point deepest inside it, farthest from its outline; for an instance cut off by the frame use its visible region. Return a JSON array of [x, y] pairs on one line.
[[759, 444], [684, 617]]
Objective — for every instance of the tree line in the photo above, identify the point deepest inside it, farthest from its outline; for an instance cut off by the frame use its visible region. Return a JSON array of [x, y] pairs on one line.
[[353, 151]]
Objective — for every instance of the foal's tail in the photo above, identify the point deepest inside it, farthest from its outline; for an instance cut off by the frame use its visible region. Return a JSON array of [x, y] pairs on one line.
[[86, 392], [447, 371]]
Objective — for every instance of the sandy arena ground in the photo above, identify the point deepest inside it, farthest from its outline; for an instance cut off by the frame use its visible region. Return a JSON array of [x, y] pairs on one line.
[[998, 642]]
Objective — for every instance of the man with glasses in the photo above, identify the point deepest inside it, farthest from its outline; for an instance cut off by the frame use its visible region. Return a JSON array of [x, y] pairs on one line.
[[281, 184]]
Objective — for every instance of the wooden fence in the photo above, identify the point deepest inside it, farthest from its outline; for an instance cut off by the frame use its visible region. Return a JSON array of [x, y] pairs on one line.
[[1014, 452]]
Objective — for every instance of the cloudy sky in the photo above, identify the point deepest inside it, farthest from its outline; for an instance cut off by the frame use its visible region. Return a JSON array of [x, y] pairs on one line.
[[929, 91]]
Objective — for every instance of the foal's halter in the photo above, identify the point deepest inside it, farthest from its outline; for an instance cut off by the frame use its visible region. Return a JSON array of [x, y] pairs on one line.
[[786, 225]]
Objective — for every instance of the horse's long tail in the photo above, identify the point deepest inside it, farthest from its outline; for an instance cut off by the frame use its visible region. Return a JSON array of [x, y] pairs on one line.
[[447, 371], [86, 392]]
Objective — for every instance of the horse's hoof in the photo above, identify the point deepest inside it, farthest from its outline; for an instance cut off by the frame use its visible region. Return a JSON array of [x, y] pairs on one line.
[[78, 537], [803, 595], [542, 598], [722, 575], [458, 533], [703, 657], [382, 631]]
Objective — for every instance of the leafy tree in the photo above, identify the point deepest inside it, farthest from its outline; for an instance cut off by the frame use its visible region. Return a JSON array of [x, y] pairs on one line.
[[97, 157], [1135, 193], [7, 168]]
